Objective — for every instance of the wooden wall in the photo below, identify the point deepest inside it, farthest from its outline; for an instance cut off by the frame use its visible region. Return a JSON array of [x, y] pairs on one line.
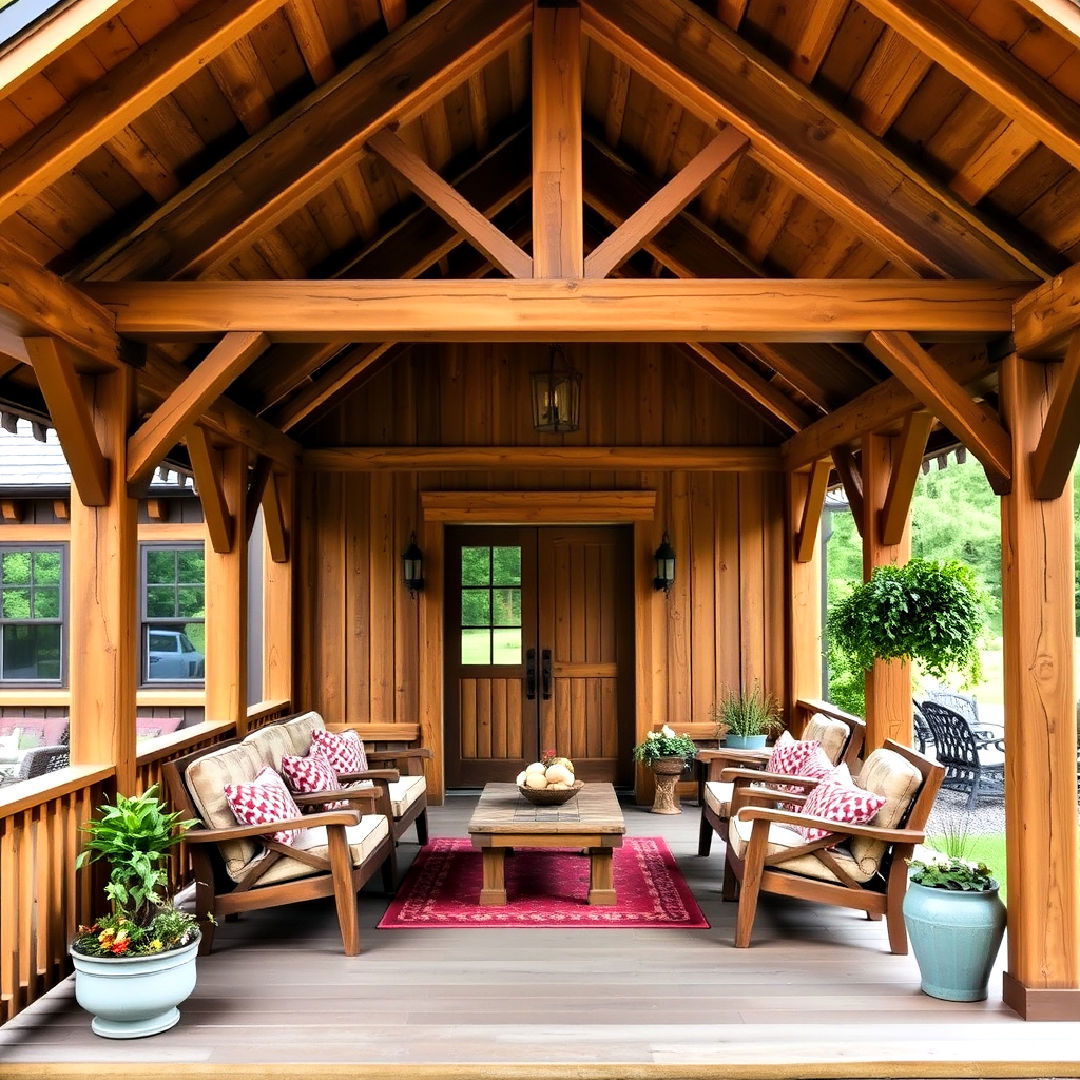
[[359, 630]]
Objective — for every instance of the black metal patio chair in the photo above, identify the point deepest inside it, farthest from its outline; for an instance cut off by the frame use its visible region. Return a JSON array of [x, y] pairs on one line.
[[973, 762]]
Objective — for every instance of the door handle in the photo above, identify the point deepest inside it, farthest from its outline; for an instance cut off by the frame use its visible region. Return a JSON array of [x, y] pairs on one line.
[[545, 673], [530, 674]]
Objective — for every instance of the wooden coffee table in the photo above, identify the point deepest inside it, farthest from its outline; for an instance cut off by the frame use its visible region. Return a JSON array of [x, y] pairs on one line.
[[503, 820]]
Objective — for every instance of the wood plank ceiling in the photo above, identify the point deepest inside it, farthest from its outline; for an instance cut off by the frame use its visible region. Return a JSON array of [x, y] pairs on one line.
[[262, 111]]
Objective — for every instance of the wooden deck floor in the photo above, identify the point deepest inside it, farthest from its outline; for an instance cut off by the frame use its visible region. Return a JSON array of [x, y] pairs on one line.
[[818, 991]]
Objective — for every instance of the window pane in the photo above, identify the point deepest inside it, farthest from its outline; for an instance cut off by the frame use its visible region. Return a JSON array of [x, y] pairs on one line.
[[32, 652], [196, 634], [47, 567], [507, 646], [476, 646], [17, 567], [507, 607], [47, 602], [160, 601], [172, 657], [191, 601], [16, 604], [475, 566], [190, 567], [507, 562], [475, 607], [160, 567]]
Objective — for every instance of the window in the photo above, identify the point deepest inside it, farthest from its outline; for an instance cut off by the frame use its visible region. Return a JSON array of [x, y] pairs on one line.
[[491, 605], [32, 614], [173, 614]]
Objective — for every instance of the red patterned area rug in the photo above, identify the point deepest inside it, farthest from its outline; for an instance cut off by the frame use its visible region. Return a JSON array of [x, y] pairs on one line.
[[545, 888]]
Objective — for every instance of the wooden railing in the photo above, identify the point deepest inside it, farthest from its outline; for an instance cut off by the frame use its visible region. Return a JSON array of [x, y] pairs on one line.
[[266, 712]]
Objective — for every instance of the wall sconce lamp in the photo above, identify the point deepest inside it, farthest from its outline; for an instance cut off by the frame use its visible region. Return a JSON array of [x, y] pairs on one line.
[[412, 566], [665, 566]]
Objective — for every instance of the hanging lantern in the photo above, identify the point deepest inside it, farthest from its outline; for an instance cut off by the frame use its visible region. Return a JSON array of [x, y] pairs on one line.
[[665, 566], [412, 565], [556, 395]]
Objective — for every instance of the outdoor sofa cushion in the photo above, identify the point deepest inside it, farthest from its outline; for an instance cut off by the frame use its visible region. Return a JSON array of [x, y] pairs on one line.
[[783, 838], [830, 732]]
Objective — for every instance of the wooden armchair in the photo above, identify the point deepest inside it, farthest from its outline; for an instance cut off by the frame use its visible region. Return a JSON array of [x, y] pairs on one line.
[[841, 736], [408, 794], [856, 866]]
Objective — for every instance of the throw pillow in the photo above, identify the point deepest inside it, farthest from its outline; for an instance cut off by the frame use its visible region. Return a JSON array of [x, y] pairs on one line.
[[795, 757], [837, 799], [311, 774], [264, 801], [343, 749]]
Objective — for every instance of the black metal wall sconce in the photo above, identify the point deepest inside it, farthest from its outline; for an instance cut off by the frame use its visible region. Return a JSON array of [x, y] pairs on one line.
[[412, 566], [665, 566]]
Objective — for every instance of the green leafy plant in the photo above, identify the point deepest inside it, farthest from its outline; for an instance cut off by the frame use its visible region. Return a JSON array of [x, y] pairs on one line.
[[135, 836], [746, 713], [952, 870], [933, 612], [664, 743]]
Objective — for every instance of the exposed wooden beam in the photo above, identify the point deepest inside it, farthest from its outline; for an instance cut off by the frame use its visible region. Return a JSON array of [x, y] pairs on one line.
[[787, 366], [715, 74], [261, 472], [810, 522], [1054, 457], [1062, 16], [906, 466], [595, 458], [189, 401], [305, 149], [311, 39], [851, 478], [970, 421], [57, 145], [274, 522], [677, 193], [821, 21], [59, 382], [558, 229], [206, 464], [1044, 318], [1007, 83], [729, 309], [452, 206]]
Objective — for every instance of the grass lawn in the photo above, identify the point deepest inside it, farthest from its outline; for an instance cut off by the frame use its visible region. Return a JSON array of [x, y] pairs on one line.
[[989, 849]]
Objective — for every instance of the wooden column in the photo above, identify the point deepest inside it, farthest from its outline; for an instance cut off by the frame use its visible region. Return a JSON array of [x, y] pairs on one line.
[[558, 202], [1038, 584], [278, 588], [226, 600], [888, 683], [102, 571], [803, 614]]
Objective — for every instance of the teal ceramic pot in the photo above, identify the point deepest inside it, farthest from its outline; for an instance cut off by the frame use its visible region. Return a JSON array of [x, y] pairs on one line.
[[745, 742], [955, 937], [131, 997]]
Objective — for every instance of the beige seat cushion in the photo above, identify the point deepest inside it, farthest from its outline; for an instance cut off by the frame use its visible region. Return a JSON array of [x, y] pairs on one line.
[[718, 797], [404, 792], [271, 743], [783, 838], [300, 729], [885, 773], [830, 732], [364, 838]]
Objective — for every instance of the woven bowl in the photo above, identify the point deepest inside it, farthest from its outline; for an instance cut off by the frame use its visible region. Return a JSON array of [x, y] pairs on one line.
[[550, 796]]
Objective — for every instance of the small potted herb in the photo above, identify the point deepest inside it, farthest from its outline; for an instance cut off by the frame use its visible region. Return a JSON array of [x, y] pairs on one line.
[[955, 920], [746, 718], [136, 964], [668, 754]]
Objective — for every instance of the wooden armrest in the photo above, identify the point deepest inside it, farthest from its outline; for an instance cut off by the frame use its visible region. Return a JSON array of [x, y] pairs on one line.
[[371, 774], [313, 798], [744, 756], [771, 795], [757, 776], [871, 832], [391, 755], [328, 818]]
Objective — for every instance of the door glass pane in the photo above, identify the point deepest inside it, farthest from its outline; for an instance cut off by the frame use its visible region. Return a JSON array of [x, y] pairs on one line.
[[507, 646], [506, 605], [475, 607], [507, 565], [476, 646], [32, 652], [475, 565]]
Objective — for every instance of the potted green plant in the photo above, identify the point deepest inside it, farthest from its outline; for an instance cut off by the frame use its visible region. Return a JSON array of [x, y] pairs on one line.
[[955, 920], [929, 611], [746, 718], [136, 964], [668, 754]]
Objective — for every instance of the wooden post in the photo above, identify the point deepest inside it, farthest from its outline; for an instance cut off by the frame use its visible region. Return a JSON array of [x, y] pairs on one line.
[[888, 683], [803, 615], [226, 601], [103, 635], [278, 585], [1038, 582]]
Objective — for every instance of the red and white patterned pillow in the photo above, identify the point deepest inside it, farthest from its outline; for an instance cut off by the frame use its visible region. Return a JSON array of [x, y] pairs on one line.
[[264, 801], [837, 799], [344, 750], [311, 774], [794, 757]]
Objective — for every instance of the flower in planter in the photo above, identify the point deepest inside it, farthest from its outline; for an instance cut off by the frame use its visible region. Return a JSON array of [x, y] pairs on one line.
[[664, 743]]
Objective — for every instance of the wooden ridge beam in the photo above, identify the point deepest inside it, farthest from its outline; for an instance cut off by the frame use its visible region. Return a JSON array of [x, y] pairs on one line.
[[906, 466], [1044, 318], [596, 458], [187, 403], [813, 507], [558, 222], [305, 149], [652, 216], [208, 468], [63, 392], [1055, 455], [970, 421], [55, 146], [804, 309], [708, 69], [963, 50], [851, 479], [451, 206]]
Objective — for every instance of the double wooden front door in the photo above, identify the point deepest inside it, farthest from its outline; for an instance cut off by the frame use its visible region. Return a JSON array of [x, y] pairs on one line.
[[539, 651]]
